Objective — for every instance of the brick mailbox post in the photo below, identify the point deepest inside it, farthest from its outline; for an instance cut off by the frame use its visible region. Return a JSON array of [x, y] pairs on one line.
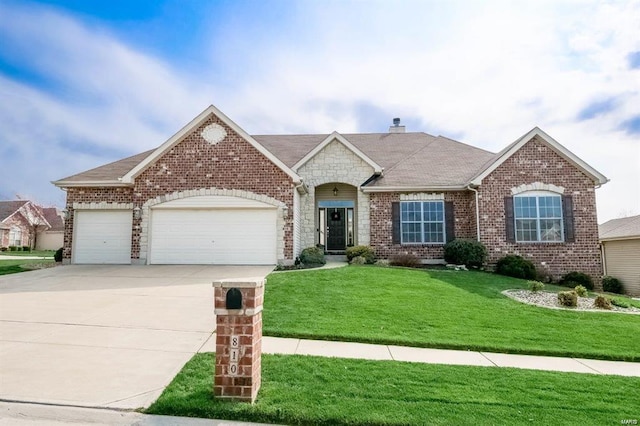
[[238, 309]]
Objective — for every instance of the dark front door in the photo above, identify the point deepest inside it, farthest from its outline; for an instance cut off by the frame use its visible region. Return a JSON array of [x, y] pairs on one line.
[[336, 226]]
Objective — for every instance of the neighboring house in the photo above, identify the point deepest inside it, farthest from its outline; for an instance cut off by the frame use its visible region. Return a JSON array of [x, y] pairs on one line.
[[214, 194], [620, 240], [20, 223], [53, 237]]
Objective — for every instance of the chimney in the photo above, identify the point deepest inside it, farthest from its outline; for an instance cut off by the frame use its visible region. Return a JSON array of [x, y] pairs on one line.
[[396, 128]]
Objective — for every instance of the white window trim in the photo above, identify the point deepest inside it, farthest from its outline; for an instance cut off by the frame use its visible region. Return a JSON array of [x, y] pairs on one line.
[[537, 195], [422, 222]]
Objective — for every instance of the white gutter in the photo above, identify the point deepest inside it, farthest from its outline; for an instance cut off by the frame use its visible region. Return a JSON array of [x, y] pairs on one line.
[[367, 189], [477, 211]]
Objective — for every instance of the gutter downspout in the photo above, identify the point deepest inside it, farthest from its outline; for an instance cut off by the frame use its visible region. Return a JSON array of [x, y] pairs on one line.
[[477, 211], [604, 258]]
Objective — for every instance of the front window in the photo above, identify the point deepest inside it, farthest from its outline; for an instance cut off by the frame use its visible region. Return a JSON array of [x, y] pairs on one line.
[[15, 237], [422, 222], [538, 218]]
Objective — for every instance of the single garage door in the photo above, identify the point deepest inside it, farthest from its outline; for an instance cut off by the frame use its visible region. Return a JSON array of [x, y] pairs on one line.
[[102, 236], [222, 236]]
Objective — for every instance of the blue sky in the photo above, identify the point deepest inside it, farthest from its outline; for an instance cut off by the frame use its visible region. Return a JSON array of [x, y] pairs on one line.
[[84, 83]]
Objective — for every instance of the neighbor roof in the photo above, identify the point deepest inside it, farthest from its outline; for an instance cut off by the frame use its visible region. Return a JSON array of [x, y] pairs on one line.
[[618, 229], [7, 208], [54, 219]]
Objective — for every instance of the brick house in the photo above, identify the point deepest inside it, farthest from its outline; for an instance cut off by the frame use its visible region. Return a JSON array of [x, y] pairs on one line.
[[20, 223], [214, 194]]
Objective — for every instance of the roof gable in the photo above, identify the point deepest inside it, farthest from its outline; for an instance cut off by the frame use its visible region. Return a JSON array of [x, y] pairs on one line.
[[129, 177], [335, 136], [8, 208], [506, 153]]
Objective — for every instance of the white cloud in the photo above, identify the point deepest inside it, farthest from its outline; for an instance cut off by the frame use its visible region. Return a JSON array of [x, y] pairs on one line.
[[487, 71]]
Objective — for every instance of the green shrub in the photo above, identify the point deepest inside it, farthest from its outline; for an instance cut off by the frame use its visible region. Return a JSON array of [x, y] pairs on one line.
[[516, 266], [26, 248], [58, 255], [12, 248], [612, 285], [407, 259], [383, 262], [363, 251], [535, 286], [358, 260], [602, 302], [574, 277], [312, 256], [470, 253], [568, 298], [18, 248], [620, 303], [580, 290], [3, 248]]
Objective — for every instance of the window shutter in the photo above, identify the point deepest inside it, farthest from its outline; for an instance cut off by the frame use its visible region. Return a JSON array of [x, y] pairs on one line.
[[449, 221], [567, 215], [395, 222], [509, 220]]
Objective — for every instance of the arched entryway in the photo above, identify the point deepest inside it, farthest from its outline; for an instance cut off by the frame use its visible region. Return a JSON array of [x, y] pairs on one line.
[[336, 207]]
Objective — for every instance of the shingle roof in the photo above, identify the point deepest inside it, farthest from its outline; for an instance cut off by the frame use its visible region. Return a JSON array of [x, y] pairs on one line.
[[7, 208], [625, 227], [54, 219], [408, 159], [109, 172]]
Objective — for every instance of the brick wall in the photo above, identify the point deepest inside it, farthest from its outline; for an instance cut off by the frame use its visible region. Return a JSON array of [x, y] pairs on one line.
[[536, 162], [381, 225], [194, 163]]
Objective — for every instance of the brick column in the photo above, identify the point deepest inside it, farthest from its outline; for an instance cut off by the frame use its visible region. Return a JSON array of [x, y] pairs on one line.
[[238, 309]]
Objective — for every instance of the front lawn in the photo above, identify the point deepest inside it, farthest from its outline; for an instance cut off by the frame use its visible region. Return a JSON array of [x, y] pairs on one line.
[[300, 390], [440, 309], [15, 266], [39, 253]]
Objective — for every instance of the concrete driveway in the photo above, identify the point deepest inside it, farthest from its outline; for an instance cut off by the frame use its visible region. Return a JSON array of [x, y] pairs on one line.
[[105, 336]]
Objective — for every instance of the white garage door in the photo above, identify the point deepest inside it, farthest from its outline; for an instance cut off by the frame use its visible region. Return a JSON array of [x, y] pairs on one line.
[[102, 236], [213, 236]]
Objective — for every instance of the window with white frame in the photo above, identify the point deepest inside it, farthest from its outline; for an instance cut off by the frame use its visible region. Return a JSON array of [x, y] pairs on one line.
[[15, 237], [422, 222], [538, 218]]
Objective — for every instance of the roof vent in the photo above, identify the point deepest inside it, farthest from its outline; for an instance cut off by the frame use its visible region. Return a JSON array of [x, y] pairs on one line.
[[396, 128]]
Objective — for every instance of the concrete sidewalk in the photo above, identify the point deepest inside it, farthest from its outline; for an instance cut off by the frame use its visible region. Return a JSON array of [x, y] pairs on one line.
[[7, 257], [276, 345]]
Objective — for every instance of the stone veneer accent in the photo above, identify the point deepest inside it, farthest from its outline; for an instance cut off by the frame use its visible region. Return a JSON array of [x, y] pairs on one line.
[[381, 223], [335, 163], [192, 165], [536, 166]]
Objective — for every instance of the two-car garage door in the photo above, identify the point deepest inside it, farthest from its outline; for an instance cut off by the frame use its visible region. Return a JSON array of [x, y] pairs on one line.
[[213, 236]]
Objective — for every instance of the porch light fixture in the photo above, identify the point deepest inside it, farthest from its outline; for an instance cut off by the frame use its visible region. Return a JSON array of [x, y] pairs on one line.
[[66, 214], [335, 191], [136, 213]]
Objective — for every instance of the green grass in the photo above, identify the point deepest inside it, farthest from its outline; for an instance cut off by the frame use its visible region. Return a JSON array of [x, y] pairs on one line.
[[15, 266], [440, 309], [41, 253], [300, 390]]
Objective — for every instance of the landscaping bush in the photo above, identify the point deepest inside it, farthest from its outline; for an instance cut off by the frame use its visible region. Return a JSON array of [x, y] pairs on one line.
[[358, 260], [535, 286], [18, 248], [3, 248], [383, 262], [620, 303], [312, 256], [470, 253], [543, 275], [58, 255], [568, 298], [516, 266], [602, 302], [572, 278], [26, 248], [612, 285], [580, 290], [363, 251], [12, 248], [409, 260]]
